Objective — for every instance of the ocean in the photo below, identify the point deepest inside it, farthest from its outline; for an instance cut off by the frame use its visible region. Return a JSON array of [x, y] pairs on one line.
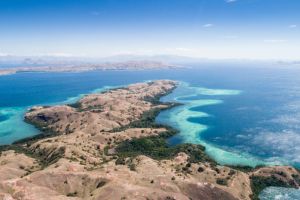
[[243, 113]]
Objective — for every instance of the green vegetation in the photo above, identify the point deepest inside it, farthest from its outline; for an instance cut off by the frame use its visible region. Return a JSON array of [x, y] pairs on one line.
[[156, 99], [296, 177], [21, 146], [245, 168], [147, 119], [40, 157], [241, 168], [30, 140], [100, 184], [231, 172], [72, 194], [76, 105], [157, 148], [200, 169], [17, 149], [222, 181], [45, 132]]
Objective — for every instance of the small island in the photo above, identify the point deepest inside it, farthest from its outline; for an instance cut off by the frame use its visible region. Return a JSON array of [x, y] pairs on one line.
[[108, 146], [4, 72]]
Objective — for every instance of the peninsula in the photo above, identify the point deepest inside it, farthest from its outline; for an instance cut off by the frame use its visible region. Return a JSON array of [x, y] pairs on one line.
[[108, 146]]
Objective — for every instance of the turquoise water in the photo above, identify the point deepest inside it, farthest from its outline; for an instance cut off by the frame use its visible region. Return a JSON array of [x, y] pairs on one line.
[[190, 131], [273, 193], [12, 125], [11, 121], [242, 114]]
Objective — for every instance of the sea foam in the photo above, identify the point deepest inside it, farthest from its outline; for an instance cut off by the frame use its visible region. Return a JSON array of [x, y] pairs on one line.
[[278, 193]]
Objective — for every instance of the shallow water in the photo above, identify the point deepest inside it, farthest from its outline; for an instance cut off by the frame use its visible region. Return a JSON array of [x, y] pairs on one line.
[[273, 193], [186, 119], [13, 123]]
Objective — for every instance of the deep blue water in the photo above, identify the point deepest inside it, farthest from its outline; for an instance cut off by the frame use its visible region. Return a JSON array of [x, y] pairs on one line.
[[262, 120]]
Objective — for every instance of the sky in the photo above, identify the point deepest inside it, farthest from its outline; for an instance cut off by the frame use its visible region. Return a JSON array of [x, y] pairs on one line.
[[252, 29]]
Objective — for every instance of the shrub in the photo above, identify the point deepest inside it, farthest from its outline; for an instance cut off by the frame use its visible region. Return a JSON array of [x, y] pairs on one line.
[[157, 148], [231, 172], [222, 181], [120, 161], [200, 169]]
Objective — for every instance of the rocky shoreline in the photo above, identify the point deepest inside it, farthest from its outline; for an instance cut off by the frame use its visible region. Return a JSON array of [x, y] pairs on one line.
[[108, 146]]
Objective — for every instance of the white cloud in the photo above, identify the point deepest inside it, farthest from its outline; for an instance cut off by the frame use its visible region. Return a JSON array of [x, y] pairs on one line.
[[275, 41], [208, 25], [293, 26]]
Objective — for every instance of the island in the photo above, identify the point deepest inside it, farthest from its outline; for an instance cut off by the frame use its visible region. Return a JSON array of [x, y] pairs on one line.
[[128, 65], [107, 146], [4, 72]]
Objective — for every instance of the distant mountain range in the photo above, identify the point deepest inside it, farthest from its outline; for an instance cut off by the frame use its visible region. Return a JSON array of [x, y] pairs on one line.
[[80, 67], [59, 60], [8, 61]]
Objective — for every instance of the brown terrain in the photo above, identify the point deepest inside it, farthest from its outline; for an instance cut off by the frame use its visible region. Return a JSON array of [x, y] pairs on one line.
[[84, 152]]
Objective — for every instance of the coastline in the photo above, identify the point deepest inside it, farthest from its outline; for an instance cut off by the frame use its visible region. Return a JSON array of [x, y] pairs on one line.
[[129, 65], [137, 134]]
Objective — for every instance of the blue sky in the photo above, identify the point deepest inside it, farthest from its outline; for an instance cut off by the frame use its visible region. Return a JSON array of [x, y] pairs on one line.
[[258, 29]]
